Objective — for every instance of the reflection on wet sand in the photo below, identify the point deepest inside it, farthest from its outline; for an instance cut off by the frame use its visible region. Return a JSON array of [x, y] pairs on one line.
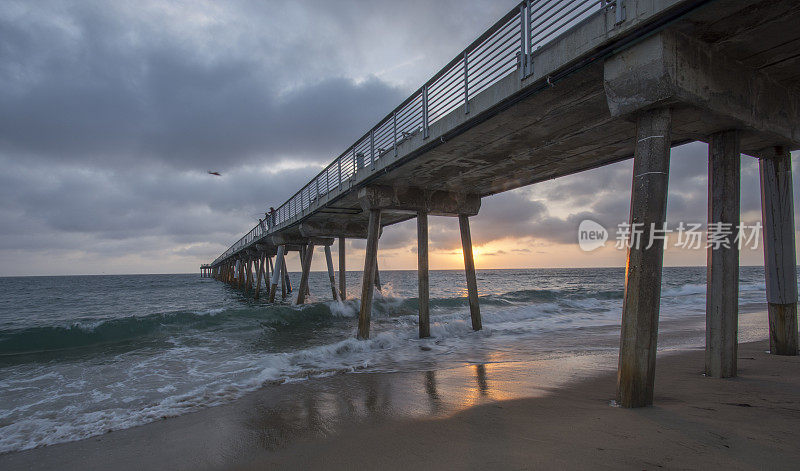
[[433, 394], [277, 418], [315, 409]]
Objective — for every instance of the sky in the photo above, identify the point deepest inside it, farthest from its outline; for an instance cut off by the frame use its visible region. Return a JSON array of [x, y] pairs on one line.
[[112, 113]]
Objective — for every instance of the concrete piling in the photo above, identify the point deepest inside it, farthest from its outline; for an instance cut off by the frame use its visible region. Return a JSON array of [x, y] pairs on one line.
[[722, 292], [331, 273], [370, 267], [641, 302], [422, 275], [777, 209], [303, 291], [342, 271], [469, 269], [377, 277], [286, 287], [259, 269], [248, 275], [276, 273]]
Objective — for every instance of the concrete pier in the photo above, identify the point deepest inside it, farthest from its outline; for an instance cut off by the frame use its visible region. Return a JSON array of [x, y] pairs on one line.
[[615, 81], [422, 275], [284, 276], [304, 289], [641, 302], [259, 270], [777, 206], [276, 273], [342, 270], [370, 266], [331, 273], [469, 269], [722, 293]]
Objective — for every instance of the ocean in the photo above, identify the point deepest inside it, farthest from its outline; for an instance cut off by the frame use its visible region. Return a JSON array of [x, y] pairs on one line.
[[83, 355]]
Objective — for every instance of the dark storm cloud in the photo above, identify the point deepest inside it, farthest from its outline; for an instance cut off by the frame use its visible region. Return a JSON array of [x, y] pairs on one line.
[[111, 113], [177, 109], [97, 82], [126, 204]]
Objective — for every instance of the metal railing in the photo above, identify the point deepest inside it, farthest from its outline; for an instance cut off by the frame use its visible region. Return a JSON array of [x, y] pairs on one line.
[[507, 46]]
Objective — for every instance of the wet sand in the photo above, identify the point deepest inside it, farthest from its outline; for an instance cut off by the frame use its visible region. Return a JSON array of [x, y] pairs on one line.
[[550, 413]]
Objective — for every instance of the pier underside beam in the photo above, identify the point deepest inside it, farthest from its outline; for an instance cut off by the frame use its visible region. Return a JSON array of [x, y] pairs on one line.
[[640, 308], [672, 69], [370, 266], [722, 292], [777, 209], [412, 200], [296, 242], [348, 229]]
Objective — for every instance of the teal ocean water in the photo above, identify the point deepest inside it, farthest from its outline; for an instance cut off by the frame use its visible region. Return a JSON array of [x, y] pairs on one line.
[[82, 355]]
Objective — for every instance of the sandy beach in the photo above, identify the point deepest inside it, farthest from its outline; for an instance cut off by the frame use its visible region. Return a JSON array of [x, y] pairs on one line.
[[553, 413]]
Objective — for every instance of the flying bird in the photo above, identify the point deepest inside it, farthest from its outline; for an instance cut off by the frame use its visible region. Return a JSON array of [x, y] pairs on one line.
[[214, 173]]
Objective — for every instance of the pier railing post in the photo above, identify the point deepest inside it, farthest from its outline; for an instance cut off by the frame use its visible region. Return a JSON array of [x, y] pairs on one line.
[[276, 273], [469, 268], [777, 210], [722, 292], [342, 271], [641, 302], [304, 288], [370, 267], [422, 275]]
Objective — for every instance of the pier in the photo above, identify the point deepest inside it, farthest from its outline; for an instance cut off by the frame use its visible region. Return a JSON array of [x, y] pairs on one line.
[[551, 89]]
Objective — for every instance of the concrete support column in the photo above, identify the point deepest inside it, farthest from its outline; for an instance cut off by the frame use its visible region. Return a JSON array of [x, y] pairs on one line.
[[722, 292], [331, 273], [342, 271], [284, 275], [259, 269], [377, 277], [469, 268], [248, 276], [370, 267], [302, 255], [422, 275], [641, 303], [276, 273], [308, 254], [777, 213]]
